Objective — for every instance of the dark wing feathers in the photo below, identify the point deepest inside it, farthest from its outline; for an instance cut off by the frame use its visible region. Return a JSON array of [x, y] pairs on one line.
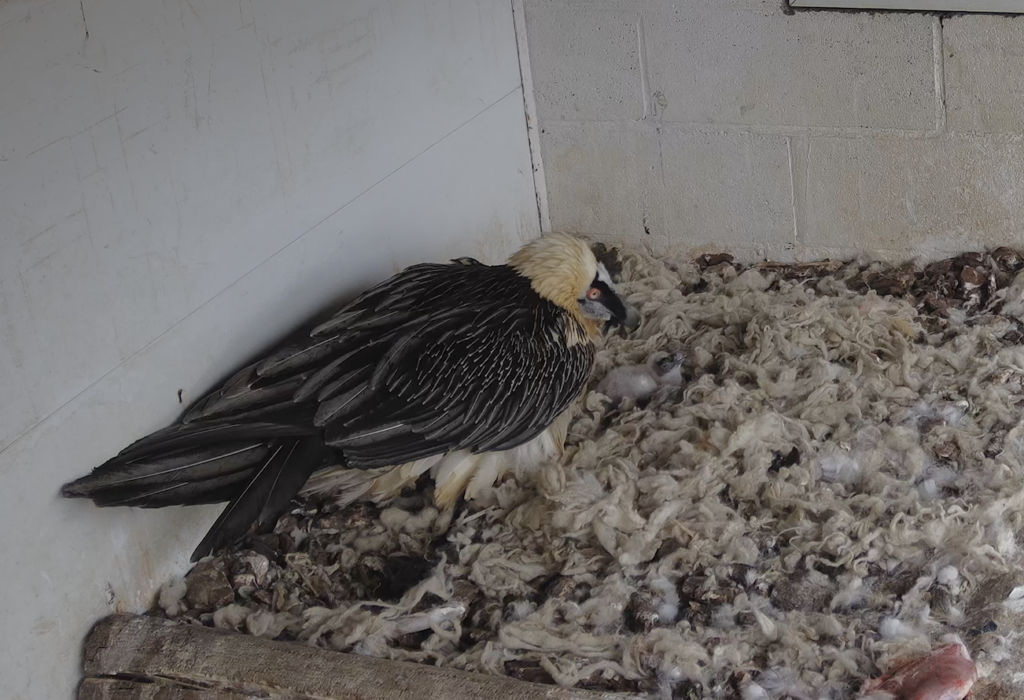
[[466, 357], [439, 357], [187, 465], [305, 458], [341, 406], [494, 385], [328, 376], [265, 495], [344, 383], [256, 395], [335, 323], [180, 437], [176, 494], [299, 357]]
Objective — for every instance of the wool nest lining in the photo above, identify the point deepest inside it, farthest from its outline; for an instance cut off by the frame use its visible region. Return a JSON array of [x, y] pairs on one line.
[[837, 485]]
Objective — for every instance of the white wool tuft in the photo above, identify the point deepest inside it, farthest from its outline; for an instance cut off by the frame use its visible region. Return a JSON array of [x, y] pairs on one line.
[[891, 628], [230, 616], [948, 576], [668, 600], [520, 610], [262, 623], [840, 468], [172, 598], [751, 280], [1014, 306], [852, 594], [784, 682], [399, 520], [929, 490], [1015, 601], [752, 691]]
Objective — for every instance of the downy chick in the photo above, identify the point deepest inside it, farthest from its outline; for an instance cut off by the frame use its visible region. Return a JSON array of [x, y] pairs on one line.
[[638, 382]]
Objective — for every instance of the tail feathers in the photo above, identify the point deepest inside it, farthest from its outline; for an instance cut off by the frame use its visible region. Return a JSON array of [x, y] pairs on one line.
[[267, 493], [177, 456], [309, 456], [181, 437], [160, 472], [258, 468], [214, 490]]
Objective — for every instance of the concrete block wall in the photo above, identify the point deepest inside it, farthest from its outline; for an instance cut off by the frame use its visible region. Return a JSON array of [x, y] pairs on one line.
[[731, 125]]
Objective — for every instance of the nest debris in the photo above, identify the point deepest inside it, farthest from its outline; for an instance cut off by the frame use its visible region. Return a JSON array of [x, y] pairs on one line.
[[838, 486]]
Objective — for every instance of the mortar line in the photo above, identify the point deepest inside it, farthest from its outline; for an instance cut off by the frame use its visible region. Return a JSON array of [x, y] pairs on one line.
[[782, 130], [669, 246], [540, 186], [940, 74]]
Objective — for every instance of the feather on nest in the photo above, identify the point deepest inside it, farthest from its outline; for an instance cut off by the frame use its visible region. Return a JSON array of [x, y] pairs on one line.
[[839, 485]]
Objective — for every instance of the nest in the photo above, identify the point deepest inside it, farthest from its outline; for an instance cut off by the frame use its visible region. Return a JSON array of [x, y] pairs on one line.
[[838, 485]]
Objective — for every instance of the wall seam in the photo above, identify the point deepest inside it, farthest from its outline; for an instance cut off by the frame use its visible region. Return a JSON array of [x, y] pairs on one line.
[[540, 188], [792, 191], [940, 74], [645, 88]]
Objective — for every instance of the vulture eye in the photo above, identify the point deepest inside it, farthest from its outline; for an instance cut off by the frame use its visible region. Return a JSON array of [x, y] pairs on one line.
[[593, 294]]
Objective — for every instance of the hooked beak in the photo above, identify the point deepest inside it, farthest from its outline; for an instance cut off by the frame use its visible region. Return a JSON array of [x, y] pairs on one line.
[[630, 320]]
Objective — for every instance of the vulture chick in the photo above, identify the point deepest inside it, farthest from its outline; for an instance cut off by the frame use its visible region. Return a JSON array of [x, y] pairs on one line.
[[638, 382]]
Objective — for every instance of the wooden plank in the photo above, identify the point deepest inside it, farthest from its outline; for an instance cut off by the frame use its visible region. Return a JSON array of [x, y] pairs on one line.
[[147, 647], [117, 689]]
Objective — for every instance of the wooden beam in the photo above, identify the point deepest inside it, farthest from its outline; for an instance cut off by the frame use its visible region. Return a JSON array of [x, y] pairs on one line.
[[117, 689], [150, 648]]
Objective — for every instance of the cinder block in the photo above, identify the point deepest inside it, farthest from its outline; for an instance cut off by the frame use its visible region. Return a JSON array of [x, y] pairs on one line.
[[601, 179], [745, 62], [730, 190], [677, 248], [914, 197], [733, 190], [585, 62], [984, 69]]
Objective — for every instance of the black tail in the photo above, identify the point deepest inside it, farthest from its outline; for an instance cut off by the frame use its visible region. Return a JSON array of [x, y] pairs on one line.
[[257, 467]]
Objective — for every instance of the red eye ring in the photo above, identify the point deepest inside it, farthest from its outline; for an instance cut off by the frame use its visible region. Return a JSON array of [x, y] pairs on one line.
[[593, 294]]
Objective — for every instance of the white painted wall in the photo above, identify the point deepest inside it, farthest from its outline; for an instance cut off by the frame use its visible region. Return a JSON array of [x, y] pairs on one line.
[[181, 181], [695, 125]]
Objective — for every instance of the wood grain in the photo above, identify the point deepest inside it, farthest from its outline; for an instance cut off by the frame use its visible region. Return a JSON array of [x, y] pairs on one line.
[[118, 689], [150, 648]]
